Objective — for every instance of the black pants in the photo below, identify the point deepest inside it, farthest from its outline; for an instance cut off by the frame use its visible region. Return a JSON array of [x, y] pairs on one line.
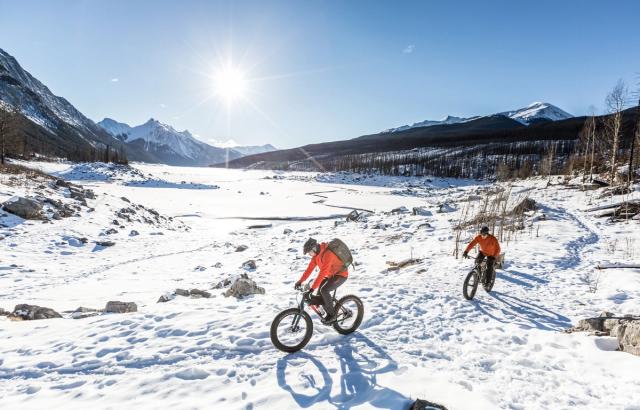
[[328, 286], [491, 260]]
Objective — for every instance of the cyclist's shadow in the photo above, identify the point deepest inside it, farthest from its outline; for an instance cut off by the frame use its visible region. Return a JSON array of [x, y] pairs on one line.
[[361, 361]]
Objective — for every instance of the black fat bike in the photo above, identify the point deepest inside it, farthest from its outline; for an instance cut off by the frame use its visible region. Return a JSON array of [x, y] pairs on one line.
[[292, 328], [478, 275]]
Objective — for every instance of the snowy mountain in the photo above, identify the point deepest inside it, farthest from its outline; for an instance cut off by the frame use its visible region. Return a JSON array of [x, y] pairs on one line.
[[535, 112], [254, 149], [449, 119], [61, 121], [174, 147]]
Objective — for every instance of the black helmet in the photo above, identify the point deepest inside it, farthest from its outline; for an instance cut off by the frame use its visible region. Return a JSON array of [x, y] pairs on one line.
[[310, 245], [484, 230]]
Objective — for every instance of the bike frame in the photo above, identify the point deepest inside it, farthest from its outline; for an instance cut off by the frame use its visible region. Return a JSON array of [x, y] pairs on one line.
[[301, 306]]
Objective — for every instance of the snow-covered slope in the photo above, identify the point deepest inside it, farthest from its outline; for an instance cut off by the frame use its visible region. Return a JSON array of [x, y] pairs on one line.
[[254, 149], [175, 147], [537, 111], [35, 101], [449, 119]]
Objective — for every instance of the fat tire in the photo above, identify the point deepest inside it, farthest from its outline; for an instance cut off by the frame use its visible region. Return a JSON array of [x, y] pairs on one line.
[[274, 330], [474, 285], [359, 314]]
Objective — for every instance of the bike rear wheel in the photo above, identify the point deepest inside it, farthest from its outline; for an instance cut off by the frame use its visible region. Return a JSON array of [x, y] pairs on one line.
[[349, 313], [291, 330], [470, 285]]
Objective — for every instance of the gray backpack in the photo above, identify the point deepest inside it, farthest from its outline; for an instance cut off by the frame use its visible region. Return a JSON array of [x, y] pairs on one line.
[[341, 251]]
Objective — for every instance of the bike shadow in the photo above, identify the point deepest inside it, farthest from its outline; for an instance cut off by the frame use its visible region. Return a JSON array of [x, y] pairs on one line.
[[523, 313], [360, 360]]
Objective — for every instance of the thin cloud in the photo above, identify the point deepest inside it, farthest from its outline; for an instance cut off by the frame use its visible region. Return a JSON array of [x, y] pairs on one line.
[[409, 49], [115, 80], [163, 105]]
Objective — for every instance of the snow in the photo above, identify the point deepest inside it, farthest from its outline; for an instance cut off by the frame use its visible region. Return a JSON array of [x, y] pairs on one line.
[[537, 110], [419, 337]]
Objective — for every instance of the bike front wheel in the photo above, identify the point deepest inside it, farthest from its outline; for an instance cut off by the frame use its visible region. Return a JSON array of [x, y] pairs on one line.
[[470, 285], [291, 330], [349, 313]]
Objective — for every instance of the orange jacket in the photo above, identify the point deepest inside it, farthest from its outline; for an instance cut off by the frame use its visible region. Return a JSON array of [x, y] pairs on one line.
[[328, 263], [489, 245]]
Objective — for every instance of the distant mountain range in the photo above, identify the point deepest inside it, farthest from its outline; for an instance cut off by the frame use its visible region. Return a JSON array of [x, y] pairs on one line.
[[175, 147], [55, 127], [531, 114], [536, 122]]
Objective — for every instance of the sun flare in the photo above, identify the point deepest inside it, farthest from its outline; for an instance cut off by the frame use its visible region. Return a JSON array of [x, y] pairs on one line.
[[230, 84]]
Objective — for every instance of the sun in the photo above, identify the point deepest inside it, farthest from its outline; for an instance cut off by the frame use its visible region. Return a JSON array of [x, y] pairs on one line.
[[230, 84]]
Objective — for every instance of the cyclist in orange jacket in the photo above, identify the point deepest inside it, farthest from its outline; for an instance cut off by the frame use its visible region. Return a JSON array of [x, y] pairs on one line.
[[332, 274], [489, 247]]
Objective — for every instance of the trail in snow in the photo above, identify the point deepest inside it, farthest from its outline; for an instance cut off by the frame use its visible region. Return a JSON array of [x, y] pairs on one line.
[[419, 337]]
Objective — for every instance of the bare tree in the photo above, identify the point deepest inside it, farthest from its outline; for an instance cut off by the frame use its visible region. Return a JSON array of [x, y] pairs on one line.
[[615, 103], [588, 135]]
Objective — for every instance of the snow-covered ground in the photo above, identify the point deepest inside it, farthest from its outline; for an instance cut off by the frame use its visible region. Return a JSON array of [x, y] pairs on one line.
[[419, 337]]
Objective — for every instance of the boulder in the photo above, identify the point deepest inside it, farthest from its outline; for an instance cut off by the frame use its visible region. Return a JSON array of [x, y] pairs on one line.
[[182, 292], [111, 231], [166, 297], [62, 183], [120, 307], [200, 293], [4, 312], [421, 211], [33, 312], [629, 337], [242, 248], [525, 205], [23, 207], [84, 312], [287, 231], [243, 287], [134, 233], [426, 405], [105, 243], [249, 265], [445, 208], [400, 210]]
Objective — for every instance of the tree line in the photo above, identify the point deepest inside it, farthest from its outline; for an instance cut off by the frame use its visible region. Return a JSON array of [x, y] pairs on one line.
[[19, 138]]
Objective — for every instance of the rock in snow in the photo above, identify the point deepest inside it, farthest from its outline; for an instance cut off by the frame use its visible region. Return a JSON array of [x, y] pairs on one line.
[[24, 207], [33, 312], [120, 307]]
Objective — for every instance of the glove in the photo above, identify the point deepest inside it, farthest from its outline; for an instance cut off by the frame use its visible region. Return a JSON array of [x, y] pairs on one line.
[[307, 295], [465, 254], [298, 286]]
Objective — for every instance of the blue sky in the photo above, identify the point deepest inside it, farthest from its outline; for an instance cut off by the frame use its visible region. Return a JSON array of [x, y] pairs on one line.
[[322, 70]]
